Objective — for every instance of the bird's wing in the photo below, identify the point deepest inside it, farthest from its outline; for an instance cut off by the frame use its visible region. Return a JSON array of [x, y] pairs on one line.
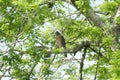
[[63, 42]]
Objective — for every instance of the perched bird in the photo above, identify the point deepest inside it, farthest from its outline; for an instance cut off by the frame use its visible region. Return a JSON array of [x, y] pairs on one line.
[[60, 41]]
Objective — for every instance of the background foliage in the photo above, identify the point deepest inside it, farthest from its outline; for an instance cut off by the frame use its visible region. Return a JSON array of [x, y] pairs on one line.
[[27, 41]]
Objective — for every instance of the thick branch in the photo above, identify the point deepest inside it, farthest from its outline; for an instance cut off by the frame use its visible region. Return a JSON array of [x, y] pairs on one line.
[[91, 16], [79, 47], [116, 26], [96, 20]]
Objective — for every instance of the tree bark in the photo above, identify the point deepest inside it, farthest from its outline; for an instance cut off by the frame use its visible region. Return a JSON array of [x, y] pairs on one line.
[[116, 26]]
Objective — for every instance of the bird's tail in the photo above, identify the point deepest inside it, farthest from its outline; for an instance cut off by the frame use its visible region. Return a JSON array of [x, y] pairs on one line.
[[65, 53]]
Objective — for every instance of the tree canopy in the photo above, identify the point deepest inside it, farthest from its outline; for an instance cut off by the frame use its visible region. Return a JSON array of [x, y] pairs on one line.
[[28, 49]]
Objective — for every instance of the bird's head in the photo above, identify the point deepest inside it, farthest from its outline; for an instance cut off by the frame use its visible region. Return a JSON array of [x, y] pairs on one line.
[[57, 33]]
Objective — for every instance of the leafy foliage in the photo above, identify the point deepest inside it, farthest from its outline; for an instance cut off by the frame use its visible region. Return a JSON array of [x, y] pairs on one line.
[[27, 41]]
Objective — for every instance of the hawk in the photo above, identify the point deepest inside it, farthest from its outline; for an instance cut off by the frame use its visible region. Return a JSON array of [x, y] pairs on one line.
[[60, 41]]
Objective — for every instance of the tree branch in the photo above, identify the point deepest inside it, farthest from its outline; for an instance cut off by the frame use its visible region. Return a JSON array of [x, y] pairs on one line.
[[96, 20], [32, 70], [97, 66], [1, 76], [116, 26], [82, 63]]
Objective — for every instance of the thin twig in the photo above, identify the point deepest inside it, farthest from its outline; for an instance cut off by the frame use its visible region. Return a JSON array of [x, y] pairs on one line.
[[1, 76], [82, 63], [97, 66], [32, 69]]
